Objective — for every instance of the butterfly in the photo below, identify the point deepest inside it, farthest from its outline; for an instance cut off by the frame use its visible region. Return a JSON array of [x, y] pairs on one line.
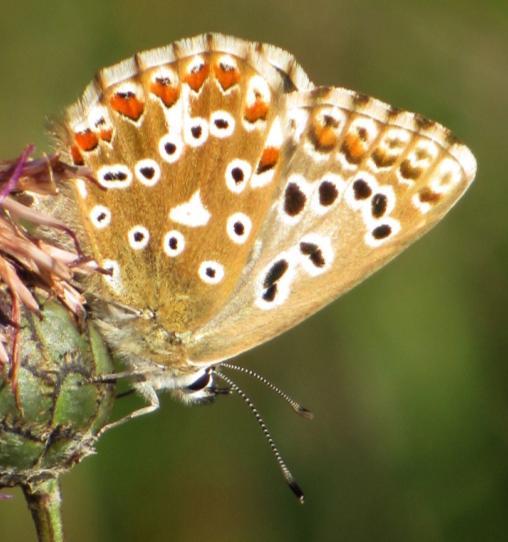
[[233, 198]]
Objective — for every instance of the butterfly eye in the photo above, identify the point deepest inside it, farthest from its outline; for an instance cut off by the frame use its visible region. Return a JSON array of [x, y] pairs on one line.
[[200, 383]]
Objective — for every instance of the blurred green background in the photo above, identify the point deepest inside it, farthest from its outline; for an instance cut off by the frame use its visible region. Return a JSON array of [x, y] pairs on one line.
[[407, 374]]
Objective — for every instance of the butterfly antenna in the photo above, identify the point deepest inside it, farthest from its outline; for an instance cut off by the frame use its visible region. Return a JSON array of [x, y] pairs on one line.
[[297, 407], [293, 485]]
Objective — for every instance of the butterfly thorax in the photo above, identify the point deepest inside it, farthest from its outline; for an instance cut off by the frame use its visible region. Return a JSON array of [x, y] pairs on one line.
[[140, 339]]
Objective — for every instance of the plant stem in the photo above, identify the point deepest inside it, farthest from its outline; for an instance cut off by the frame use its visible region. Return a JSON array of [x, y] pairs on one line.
[[45, 505]]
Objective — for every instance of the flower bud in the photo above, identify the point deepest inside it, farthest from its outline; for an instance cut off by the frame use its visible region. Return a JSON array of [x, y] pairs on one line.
[[50, 417]]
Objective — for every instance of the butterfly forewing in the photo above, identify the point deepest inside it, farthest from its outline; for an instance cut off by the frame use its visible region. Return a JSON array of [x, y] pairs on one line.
[[359, 183], [177, 138]]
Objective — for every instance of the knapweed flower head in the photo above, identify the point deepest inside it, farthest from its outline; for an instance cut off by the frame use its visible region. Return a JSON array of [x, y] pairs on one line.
[[51, 405], [31, 261]]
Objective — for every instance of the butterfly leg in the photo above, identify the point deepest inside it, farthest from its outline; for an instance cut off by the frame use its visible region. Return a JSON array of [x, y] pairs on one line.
[[113, 378], [148, 392]]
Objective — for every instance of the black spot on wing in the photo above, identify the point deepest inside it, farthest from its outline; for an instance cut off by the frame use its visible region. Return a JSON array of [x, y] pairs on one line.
[[313, 252], [294, 200]]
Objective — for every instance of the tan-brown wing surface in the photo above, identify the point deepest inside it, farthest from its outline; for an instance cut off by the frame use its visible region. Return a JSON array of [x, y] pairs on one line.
[[176, 137], [358, 182]]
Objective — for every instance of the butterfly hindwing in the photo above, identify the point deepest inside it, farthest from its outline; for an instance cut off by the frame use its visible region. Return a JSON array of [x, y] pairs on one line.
[[359, 183]]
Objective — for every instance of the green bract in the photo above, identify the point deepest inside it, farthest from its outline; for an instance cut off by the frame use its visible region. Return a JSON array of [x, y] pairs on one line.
[[60, 410]]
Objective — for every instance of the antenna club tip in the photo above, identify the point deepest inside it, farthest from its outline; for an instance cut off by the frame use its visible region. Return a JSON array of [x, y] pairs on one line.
[[297, 490], [305, 413]]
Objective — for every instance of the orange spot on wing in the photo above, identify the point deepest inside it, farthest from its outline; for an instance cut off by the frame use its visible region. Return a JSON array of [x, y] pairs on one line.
[[106, 134], [227, 76], [86, 140], [408, 171], [127, 104], [324, 132], [383, 159], [327, 138], [166, 92], [268, 159], [323, 137], [428, 196], [353, 147], [196, 77], [77, 158], [257, 111]]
